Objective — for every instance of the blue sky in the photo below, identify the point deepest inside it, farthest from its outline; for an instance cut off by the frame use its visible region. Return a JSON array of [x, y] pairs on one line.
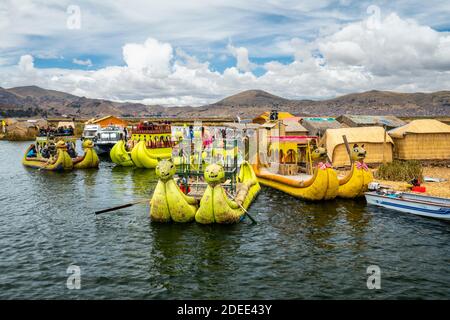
[[204, 50]]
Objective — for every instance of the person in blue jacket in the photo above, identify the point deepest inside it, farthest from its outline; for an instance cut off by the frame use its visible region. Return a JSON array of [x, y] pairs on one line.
[[32, 153]]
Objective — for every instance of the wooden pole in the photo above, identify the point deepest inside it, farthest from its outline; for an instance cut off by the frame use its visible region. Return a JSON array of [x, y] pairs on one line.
[[344, 137], [121, 206], [243, 209], [384, 145]]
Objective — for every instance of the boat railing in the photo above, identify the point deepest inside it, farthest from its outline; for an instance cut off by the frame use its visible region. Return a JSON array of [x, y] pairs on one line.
[[150, 131], [186, 169]]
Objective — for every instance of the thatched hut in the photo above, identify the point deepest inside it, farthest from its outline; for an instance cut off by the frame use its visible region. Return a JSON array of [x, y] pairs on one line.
[[294, 128], [424, 139], [317, 126], [373, 139], [389, 122]]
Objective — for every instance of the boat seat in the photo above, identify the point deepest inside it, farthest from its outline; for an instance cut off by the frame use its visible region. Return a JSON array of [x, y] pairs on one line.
[[297, 177]]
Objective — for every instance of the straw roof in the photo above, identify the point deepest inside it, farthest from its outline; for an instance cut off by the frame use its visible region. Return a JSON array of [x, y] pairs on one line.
[[321, 123], [363, 120], [333, 137], [420, 126], [66, 124], [294, 126]]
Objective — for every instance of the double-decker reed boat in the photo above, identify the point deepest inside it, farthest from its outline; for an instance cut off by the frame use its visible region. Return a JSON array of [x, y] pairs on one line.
[[149, 143]]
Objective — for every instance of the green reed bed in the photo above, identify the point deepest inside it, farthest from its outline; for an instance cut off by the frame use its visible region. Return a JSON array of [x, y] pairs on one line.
[[400, 171]]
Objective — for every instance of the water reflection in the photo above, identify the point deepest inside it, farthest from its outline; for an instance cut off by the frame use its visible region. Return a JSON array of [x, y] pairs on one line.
[[298, 249]]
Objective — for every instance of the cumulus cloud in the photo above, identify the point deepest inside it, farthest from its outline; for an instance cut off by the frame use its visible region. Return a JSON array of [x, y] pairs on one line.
[[87, 62], [393, 45], [241, 55], [26, 63], [399, 54], [152, 57]]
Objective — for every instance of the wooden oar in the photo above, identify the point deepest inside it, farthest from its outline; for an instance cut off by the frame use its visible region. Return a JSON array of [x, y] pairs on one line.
[[245, 211], [122, 206]]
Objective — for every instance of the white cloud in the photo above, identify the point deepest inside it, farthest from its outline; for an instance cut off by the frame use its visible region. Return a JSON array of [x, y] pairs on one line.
[[394, 45], [152, 57], [241, 55], [26, 63], [400, 54], [87, 62]]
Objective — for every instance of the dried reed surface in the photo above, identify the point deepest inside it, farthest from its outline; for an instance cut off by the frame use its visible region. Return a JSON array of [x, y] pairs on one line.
[[438, 189], [14, 136]]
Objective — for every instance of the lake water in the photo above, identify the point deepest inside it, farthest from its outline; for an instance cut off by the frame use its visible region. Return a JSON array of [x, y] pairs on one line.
[[297, 249]]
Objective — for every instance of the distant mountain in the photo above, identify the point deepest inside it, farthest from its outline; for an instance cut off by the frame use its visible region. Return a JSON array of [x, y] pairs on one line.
[[36, 101], [254, 98], [38, 92]]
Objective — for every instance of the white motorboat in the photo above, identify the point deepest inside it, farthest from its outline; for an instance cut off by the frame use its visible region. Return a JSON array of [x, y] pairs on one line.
[[106, 139], [422, 205]]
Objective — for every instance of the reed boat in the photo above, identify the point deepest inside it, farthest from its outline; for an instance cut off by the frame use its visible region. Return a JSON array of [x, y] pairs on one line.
[[168, 202], [61, 161], [356, 182], [422, 205], [148, 144], [323, 184], [216, 205], [89, 159], [119, 155], [52, 153], [147, 157]]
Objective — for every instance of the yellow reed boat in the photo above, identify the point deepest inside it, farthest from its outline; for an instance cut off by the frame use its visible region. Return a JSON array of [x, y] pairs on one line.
[[216, 206], [149, 143], [356, 182], [168, 202], [322, 185], [89, 159], [59, 162]]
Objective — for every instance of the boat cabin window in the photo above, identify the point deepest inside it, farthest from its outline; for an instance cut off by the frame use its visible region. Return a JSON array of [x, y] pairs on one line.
[[109, 136], [89, 133]]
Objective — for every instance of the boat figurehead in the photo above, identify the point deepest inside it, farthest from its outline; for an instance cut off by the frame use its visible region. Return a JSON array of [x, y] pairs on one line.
[[358, 153], [214, 174], [165, 170]]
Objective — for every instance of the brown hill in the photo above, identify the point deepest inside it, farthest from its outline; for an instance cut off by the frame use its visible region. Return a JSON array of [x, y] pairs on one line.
[[38, 92], [33, 100], [252, 98]]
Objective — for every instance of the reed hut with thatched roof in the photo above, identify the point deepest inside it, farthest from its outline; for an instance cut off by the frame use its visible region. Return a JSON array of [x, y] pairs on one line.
[[377, 143], [317, 126], [424, 139]]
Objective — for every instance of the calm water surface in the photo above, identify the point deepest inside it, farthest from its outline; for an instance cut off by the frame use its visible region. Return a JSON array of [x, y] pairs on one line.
[[297, 250]]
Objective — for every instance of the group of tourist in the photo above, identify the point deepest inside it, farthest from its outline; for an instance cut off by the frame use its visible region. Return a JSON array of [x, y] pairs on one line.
[[159, 127], [49, 150], [60, 131]]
